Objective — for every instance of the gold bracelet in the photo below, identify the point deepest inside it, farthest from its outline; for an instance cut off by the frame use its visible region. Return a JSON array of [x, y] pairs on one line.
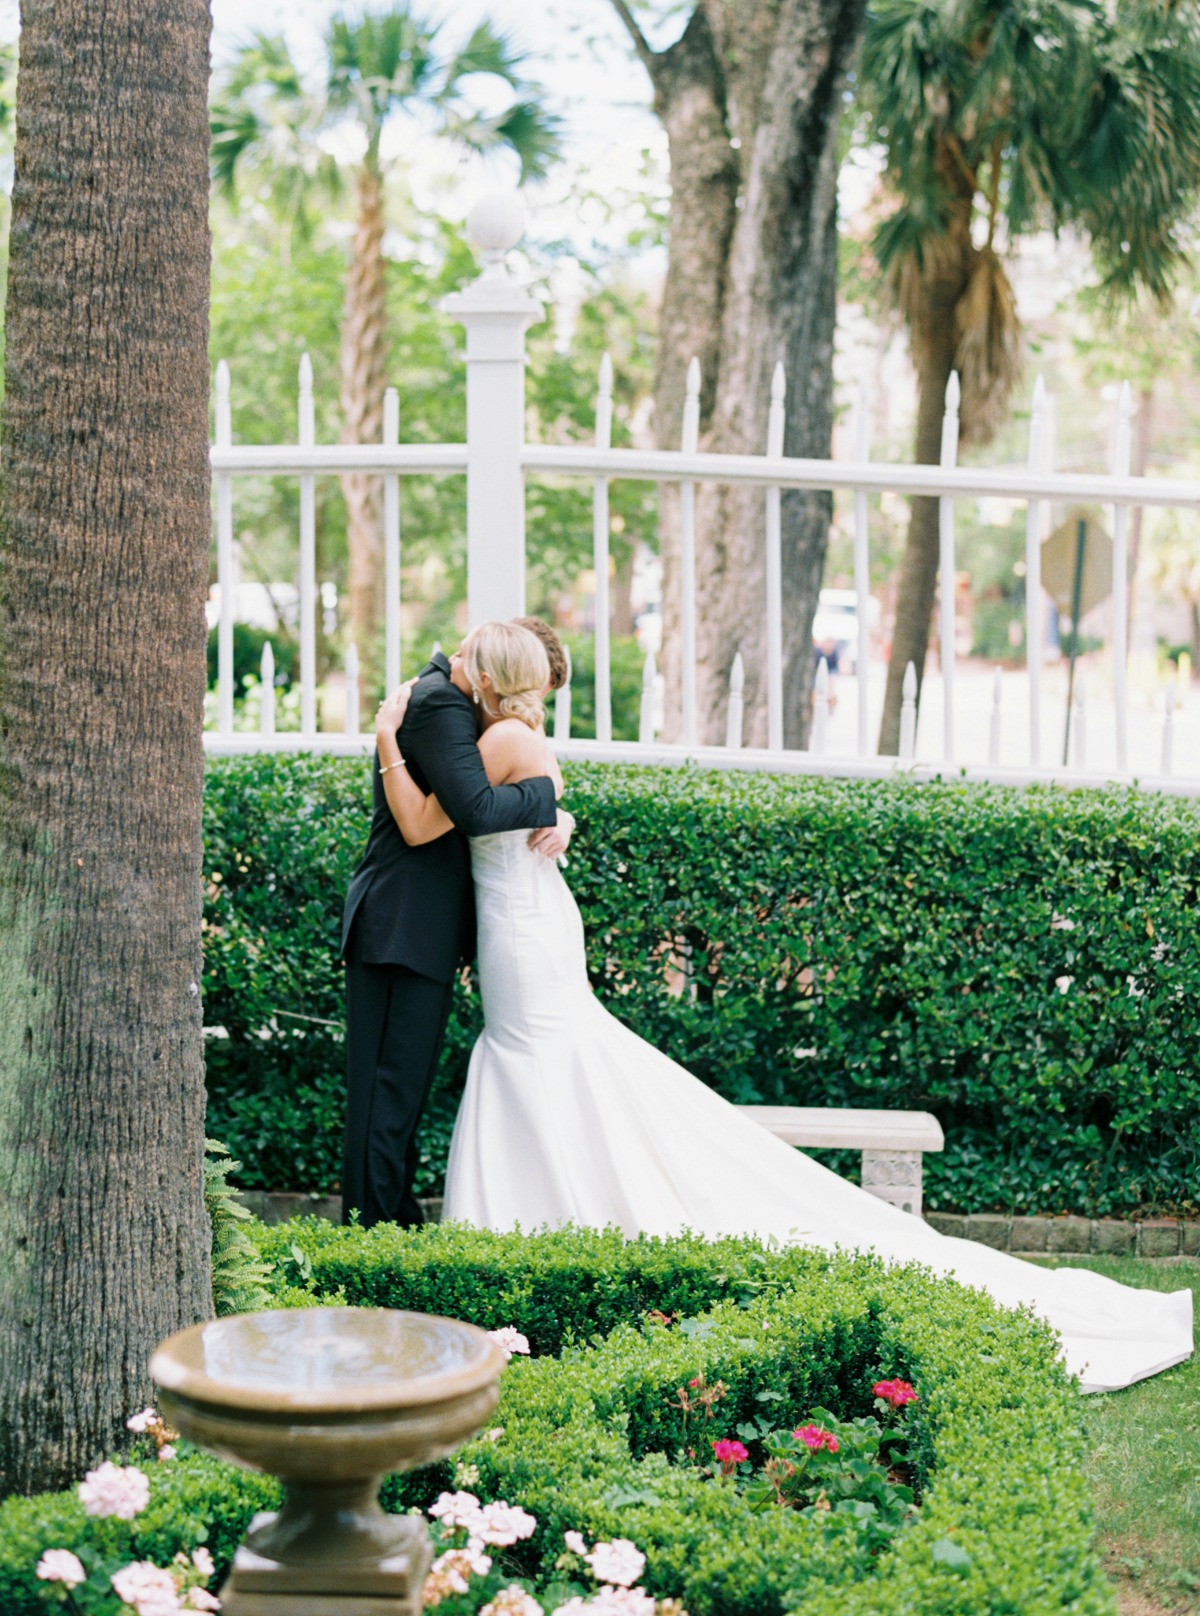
[[399, 764]]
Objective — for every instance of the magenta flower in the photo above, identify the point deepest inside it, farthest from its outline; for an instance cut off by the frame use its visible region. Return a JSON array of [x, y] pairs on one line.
[[816, 1437], [895, 1392], [728, 1452]]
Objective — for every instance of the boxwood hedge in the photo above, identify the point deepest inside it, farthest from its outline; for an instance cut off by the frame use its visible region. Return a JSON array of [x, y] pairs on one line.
[[590, 1429], [1023, 963]]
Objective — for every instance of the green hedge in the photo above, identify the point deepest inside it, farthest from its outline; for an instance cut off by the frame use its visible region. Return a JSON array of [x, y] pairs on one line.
[[591, 1433], [1022, 963]]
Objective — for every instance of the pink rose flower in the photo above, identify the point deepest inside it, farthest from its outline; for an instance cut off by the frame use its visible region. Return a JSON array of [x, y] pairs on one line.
[[203, 1561], [141, 1423], [509, 1340], [60, 1565], [149, 1589], [817, 1437], [114, 1491], [502, 1525]]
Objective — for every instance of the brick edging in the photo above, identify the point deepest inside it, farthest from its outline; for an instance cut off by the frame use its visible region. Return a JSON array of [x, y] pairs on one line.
[[1114, 1237]]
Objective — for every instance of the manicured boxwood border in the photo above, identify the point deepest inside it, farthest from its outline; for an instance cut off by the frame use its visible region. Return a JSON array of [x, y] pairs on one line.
[[1020, 962], [587, 1427]]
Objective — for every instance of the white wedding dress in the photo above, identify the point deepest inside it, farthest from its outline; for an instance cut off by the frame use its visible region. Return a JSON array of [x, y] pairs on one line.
[[568, 1117]]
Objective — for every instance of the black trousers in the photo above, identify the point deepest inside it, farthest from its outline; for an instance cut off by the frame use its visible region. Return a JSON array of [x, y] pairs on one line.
[[395, 1025]]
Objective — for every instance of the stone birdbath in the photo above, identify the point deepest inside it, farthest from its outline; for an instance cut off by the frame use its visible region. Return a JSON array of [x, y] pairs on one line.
[[329, 1400]]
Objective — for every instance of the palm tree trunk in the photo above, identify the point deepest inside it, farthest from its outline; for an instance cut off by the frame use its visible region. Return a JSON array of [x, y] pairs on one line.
[[364, 377], [105, 530], [935, 345]]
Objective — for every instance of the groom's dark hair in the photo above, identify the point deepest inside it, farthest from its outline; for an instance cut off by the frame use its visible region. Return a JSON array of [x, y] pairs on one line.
[[560, 668]]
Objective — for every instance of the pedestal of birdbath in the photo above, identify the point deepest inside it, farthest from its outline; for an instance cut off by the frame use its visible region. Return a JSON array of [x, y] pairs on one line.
[[329, 1400]]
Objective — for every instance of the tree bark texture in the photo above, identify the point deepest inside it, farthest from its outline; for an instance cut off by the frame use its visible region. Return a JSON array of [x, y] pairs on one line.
[[364, 377], [750, 98], [105, 531]]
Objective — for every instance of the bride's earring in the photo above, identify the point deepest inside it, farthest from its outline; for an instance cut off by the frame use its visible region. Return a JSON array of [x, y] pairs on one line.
[[475, 697]]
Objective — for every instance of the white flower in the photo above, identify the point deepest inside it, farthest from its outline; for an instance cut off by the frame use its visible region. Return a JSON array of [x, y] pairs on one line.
[[622, 1602], [114, 1491], [200, 1599], [620, 1561], [167, 1451], [575, 1542], [141, 1422], [203, 1561], [466, 1475], [509, 1340], [1063, 983], [457, 1509], [494, 1435], [149, 1589], [573, 1607], [60, 1565], [512, 1601], [503, 1524], [1061, 923], [450, 1573]]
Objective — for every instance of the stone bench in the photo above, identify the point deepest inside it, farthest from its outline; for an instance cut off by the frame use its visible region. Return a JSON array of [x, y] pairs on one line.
[[892, 1143]]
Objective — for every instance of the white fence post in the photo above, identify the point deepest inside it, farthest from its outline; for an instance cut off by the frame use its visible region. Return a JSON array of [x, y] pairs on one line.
[[351, 713], [1168, 734], [496, 312], [602, 655], [649, 685], [908, 715], [775, 421], [862, 570], [391, 547], [994, 722], [225, 579], [562, 704], [734, 719], [1120, 576], [820, 719], [946, 575], [306, 437], [1033, 578], [266, 675], [687, 556]]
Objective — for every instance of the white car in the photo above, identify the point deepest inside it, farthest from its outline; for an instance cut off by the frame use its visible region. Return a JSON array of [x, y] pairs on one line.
[[837, 620]]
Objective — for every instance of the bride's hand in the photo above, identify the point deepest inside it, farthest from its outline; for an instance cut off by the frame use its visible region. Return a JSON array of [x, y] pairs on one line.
[[391, 710]]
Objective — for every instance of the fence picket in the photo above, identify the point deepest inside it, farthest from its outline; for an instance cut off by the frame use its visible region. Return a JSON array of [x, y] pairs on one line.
[[225, 580], [1033, 577], [562, 704], [391, 547], [946, 576], [352, 691], [862, 571], [687, 556], [775, 424], [1168, 734], [646, 714], [908, 715], [994, 722], [308, 558], [266, 678], [600, 542], [1120, 576], [819, 738], [734, 720]]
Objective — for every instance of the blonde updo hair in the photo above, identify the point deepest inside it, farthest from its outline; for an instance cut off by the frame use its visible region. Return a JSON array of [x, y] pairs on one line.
[[516, 661]]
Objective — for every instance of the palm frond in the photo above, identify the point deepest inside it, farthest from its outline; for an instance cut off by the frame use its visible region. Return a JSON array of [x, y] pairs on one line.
[[486, 51]]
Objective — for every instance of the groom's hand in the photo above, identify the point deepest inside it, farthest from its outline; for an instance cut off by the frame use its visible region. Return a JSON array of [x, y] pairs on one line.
[[551, 840]]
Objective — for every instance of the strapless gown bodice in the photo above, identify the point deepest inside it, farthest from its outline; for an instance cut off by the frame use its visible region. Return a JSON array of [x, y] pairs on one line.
[[569, 1117]]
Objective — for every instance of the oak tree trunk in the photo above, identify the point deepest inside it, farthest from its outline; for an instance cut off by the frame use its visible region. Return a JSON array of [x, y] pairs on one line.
[[364, 377], [104, 542], [750, 97]]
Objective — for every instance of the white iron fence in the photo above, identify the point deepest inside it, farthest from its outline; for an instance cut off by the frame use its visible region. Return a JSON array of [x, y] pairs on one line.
[[496, 312]]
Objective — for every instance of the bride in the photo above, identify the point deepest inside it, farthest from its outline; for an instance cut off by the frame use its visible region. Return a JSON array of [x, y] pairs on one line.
[[569, 1117]]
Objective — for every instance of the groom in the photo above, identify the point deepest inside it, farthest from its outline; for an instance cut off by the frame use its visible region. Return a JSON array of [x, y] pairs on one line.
[[408, 921]]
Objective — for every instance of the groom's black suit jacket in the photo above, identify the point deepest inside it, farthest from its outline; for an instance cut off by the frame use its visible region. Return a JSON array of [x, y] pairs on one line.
[[415, 906]]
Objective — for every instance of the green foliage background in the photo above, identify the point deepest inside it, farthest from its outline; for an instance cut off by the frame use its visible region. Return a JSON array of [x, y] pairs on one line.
[[588, 1434], [1022, 963]]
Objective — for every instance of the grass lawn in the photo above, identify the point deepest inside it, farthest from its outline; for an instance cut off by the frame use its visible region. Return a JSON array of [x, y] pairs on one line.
[[1145, 1464]]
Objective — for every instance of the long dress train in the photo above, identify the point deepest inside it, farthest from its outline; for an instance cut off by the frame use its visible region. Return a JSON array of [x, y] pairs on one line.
[[569, 1117]]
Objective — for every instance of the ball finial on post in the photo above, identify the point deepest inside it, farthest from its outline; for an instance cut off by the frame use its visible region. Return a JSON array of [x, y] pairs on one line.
[[494, 226]]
